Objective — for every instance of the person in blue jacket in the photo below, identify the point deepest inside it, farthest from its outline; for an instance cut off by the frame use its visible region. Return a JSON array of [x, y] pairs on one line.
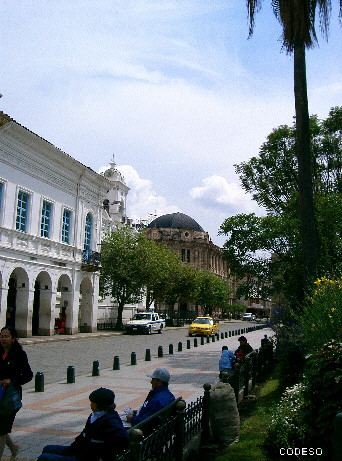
[[226, 361], [158, 398], [103, 436]]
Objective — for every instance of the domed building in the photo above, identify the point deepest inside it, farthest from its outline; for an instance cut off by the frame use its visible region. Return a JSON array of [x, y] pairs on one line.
[[183, 235]]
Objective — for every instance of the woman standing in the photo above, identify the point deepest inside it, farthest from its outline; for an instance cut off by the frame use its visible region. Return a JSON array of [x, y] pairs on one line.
[[15, 369]]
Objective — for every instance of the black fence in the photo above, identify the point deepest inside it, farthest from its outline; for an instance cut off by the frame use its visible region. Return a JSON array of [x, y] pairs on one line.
[[171, 440]]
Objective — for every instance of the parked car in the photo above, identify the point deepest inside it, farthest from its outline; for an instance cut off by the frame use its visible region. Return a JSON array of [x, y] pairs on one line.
[[145, 322], [204, 326], [248, 316]]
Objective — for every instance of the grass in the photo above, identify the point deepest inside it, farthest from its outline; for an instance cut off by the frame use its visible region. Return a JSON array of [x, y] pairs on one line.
[[255, 418]]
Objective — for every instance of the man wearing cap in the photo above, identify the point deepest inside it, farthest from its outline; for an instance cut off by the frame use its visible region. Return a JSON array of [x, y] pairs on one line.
[[158, 398], [244, 348], [102, 437]]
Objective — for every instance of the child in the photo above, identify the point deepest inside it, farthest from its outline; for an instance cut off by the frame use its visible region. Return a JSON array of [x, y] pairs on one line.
[[102, 437]]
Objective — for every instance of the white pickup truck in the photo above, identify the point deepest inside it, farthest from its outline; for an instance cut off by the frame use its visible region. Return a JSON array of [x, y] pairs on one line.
[[145, 322]]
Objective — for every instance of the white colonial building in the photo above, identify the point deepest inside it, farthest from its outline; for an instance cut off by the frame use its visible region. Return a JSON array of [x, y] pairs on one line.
[[53, 213]]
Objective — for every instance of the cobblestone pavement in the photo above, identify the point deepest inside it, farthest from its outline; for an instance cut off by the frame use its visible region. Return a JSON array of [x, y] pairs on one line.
[[58, 414]]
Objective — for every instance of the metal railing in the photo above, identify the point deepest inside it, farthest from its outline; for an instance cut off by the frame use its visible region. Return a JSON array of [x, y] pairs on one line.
[[168, 442]]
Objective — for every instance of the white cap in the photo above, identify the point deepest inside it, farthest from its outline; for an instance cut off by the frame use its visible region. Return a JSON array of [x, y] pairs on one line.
[[160, 373]]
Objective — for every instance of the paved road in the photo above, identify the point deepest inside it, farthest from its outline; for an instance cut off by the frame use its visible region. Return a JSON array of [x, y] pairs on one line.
[[53, 357]]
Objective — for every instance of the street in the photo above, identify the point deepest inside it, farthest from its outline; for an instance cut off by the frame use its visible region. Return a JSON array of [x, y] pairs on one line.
[[52, 358]]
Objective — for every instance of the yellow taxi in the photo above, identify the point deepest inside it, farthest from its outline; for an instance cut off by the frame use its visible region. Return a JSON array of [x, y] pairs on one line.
[[204, 326]]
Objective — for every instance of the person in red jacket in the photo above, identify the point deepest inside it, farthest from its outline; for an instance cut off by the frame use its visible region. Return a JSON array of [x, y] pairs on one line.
[[14, 370], [103, 436]]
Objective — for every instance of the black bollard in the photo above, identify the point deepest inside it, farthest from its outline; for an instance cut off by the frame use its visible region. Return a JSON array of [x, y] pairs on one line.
[[226, 334], [39, 382], [133, 358], [229, 333], [208, 339], [222, 335], [195, 342], [218, 336], [96, 368], [202, 340], [70, 374], [171, 349], [160, 351], [180, 347], [213, 338], [148, 355], [188, 344], [116, 363]]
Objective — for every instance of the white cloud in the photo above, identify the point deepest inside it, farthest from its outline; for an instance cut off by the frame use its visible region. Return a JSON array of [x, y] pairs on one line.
[[217, 192], [143, 203]]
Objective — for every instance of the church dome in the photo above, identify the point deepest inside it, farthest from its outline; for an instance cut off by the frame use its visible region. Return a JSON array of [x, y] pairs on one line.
[[175, 221]]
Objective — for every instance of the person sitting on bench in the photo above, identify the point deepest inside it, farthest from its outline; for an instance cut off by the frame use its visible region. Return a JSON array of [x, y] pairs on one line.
[[102, 438], [159, 397]]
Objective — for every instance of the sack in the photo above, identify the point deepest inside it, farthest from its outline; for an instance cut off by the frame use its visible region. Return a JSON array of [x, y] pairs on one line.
[[11, 400], [223, 413]]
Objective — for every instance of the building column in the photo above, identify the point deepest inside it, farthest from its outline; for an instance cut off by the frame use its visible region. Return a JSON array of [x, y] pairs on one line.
[[46, 313], [3, 305], [23, 312]]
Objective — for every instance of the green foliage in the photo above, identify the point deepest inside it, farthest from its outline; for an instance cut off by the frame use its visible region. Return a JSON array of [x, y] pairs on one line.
[[133, 265], [323, 394], [272, 179], [321, 320], [287, 428], [212, 292], [316, 399]]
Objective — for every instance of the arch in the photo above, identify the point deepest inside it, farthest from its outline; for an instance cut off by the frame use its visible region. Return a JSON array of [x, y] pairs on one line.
[[19, 297], [64, 304], [42, 318], [86, 311]]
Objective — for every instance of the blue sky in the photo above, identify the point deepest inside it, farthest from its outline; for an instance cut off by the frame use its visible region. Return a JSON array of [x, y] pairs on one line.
[[172, 88]]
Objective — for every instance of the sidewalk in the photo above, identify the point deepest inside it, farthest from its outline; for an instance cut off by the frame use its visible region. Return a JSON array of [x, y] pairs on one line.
[[58, 414]]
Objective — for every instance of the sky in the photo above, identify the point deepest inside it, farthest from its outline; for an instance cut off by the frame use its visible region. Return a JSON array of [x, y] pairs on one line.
[[173, 90]]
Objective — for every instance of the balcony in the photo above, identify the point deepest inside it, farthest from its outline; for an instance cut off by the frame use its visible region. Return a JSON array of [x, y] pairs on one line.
[[91, 261]]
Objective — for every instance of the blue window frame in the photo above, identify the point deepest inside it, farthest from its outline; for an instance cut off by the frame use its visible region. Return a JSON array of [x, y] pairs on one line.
[[1, 192], [45, 224], [22, 211], [66, 226], [87, 232]]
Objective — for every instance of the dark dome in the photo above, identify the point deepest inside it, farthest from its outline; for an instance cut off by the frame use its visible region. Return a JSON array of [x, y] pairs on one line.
[[175, 221]]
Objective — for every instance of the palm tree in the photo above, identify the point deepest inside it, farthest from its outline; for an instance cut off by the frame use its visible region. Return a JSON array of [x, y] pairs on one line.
[[297, 18]]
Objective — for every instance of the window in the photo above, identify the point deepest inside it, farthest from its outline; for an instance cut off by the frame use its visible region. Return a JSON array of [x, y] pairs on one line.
[[46, 219], [1, 192], [88, 232], [187, 254], [22, 211], [66, 226]]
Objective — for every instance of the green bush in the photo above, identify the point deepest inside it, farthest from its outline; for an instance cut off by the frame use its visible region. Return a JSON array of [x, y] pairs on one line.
[[321, 320], [287, 428], [323, 394], [305, 414]]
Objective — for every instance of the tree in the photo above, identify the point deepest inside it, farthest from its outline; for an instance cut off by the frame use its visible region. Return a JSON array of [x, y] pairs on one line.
[[272, 178], [181, 288], [133, 266], [297, 18], [212, 292]]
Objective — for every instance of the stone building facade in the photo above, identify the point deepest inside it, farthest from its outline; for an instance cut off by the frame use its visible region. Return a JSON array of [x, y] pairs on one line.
[[183, 235], [53, 213]]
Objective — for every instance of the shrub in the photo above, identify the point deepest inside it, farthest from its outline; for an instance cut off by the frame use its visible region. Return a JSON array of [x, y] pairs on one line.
[[321, 320], [323, 394], [287, 428]]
